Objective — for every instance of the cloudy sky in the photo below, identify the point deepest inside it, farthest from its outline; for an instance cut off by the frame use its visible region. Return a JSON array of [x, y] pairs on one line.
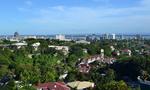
[[74, 16]]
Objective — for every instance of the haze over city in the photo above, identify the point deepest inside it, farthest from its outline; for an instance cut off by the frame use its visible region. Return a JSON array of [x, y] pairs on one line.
[[74, 16]]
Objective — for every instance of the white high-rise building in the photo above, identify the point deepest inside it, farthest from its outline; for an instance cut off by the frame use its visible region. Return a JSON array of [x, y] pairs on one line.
[[60, 37], [113, 36]]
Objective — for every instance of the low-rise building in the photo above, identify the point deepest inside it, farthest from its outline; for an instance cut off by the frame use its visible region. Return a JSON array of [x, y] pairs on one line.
[[82, 42], [65, 49], [36, 45], [115, 53], [98, 58], [112, 48], [84, 68], [81, 85], [126, 52], [19, 45], [85, 50]]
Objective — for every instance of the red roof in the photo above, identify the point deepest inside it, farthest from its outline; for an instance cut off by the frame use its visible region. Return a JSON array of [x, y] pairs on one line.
[[53, 86], [126, 50], [85, 68]]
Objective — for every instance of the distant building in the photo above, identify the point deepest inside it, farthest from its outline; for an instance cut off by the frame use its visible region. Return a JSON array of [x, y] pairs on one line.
[[15, 37], [113, 36], [64, 49], [19, 45], [92, 37], [108, 36], [16, 34], [138, 36], [120, 37], [60, 37], [105, 36], [88, 38], [82, 42], [33, 37], [36, 45]]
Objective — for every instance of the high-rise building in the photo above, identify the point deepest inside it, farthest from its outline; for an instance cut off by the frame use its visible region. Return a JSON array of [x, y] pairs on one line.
[[92, 37], [60, 37], [16, 34], [105, 36], [113, 36], [138, 36], [121, 37]]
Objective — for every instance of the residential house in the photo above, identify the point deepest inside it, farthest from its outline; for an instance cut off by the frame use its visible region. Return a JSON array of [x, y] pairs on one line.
[[35, 46], [65, 49], [84, 68], [115, 53], [112, 48], [85, 50], [19, 45], [126, 52], [85, 64], [81, 85]]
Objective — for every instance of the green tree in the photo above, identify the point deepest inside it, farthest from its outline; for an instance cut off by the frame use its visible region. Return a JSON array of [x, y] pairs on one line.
[[72, 60], [113, 85], [77, 51]]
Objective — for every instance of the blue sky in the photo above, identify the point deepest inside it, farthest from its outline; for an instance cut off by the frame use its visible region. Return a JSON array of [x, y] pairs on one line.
[[74, 16]]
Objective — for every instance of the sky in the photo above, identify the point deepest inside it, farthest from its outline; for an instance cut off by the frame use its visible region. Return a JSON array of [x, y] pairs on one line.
[[74, 16]]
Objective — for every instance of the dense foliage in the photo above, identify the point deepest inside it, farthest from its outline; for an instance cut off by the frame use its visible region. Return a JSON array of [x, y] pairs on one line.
[[47, 64]]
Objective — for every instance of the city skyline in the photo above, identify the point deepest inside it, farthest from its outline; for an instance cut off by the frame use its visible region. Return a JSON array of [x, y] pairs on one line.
[[74, 16]]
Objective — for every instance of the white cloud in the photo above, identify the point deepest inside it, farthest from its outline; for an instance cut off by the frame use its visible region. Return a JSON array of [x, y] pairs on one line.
[[86, 13], [132, 18], [28, 3], [59, 8], [23, 9], [27, 6], [145, 3], [105, 1]]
